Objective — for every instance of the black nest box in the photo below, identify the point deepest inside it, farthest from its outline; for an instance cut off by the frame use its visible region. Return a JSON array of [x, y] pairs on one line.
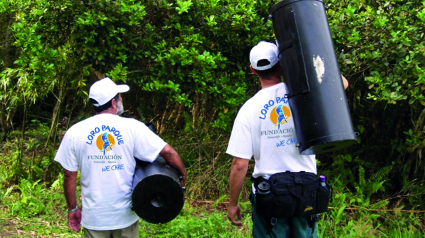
[[158, 196], [310, 70]]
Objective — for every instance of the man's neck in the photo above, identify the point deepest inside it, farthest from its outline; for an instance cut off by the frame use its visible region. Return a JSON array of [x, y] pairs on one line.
[[108, 111], [265, 83]]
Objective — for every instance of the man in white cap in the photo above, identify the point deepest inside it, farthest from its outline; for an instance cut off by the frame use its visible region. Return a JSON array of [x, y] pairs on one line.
[[103, 148], [253, 135]]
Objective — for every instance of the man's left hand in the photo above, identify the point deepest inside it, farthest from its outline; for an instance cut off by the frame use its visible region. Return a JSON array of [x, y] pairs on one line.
[[74, 220]]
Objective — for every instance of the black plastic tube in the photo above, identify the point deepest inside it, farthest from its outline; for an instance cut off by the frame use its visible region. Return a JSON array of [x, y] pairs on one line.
[[311, 73], [158, 196]]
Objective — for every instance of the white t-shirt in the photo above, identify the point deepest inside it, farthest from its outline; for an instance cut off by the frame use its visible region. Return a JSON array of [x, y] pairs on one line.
[[264, 127], [103, 148]]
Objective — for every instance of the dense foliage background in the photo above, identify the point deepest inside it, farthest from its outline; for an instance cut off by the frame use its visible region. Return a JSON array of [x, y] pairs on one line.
[[187, 65]]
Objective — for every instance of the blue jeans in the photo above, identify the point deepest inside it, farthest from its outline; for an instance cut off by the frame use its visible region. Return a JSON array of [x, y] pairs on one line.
[[296, 227]]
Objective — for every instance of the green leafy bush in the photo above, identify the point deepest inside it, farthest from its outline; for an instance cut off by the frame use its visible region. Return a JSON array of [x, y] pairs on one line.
[[188, 57], [187, 65], [380, 48]]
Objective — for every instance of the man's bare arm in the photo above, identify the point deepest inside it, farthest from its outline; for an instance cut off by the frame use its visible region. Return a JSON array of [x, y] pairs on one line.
[[171, 156], [237, 178], [70, 188]]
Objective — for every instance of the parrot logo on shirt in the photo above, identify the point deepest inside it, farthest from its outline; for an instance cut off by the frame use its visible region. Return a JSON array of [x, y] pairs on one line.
[[281, 116], [105, 142]]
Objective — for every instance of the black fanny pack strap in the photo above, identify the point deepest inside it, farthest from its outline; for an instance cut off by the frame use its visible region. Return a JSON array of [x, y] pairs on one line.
[[270, 224], [312, 222]]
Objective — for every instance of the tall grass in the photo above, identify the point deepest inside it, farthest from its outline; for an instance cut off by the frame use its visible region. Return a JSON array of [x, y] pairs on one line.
[[34, 209]]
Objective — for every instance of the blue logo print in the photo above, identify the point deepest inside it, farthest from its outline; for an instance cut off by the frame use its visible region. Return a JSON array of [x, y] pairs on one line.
[[281, 116], [106, 143]]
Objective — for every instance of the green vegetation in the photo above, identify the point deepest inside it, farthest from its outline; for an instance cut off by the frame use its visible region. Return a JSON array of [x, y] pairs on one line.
[[187, 65], [41, 212]]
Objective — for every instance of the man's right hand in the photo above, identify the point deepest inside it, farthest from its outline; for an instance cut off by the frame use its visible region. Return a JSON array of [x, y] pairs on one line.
[[233, 211], [183, 178], [74, 220]]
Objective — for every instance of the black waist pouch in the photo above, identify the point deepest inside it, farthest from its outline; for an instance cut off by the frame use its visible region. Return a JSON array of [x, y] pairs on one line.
[[295, 194], [292, 195]]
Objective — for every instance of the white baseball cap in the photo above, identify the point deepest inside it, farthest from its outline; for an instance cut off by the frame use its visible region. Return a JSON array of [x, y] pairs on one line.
[[104, 90], [264, 51]]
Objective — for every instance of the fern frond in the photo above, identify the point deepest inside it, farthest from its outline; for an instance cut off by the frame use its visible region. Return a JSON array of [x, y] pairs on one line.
[[381, 174], [380, 204]]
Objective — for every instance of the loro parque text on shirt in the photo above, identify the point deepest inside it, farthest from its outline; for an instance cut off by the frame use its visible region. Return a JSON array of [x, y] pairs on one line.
[[96, 130], [270, 104]]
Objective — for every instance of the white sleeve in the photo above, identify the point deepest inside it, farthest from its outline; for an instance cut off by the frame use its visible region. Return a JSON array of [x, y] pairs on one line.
[[240, 143], [66, 153], [147, 144]]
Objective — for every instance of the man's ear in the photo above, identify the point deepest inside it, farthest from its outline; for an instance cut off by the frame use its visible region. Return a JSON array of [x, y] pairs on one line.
[[114, 103], [252, 70]]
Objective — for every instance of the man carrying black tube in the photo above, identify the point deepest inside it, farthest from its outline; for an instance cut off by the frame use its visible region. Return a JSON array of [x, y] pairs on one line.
[[103, 148], [254, 134]]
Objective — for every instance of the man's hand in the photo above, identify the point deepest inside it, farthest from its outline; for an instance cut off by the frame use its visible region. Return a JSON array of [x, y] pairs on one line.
[[74, 220], [183, 179], [233, 211], [344, 82]]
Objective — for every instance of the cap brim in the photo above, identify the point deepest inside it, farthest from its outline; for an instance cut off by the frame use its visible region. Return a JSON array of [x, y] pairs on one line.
[[269, 66], [123, 88]]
